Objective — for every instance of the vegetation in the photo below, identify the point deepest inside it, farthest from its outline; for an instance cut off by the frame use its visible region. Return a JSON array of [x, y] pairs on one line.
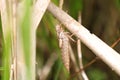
[[100, 17]]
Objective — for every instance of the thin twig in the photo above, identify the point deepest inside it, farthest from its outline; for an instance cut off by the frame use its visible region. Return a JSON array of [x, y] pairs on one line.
[[61, 3], [85, 66], [80, 53], [72, 56], [115, 43]]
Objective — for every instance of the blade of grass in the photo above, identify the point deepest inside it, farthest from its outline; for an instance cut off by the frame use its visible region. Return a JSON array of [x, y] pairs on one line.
[[7, 44], [6, 58], [26, 39]]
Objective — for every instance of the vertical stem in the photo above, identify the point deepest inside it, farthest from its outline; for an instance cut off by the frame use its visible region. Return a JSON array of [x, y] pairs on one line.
[[84, 76], [26, 45], [14, 37]]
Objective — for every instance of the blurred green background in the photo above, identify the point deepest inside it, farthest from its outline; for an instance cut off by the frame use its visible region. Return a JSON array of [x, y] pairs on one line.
[[101, 17]]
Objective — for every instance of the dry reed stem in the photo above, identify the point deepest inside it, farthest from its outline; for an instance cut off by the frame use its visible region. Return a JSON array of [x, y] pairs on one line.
[[96, 58], [101, 49], [73, 59], [14, 37], [38, 11], [80, 53]]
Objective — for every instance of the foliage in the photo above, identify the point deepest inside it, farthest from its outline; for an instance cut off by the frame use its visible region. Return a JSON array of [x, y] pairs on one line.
[[97, 74], [26, 38], [47, 41]]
